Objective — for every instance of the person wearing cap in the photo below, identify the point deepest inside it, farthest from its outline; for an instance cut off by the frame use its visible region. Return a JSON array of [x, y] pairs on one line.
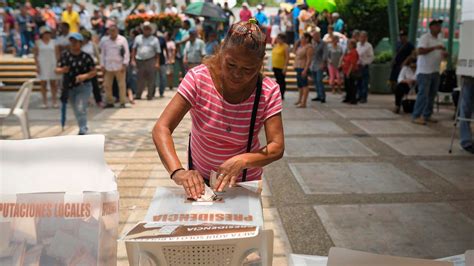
[[261, 17], [431, 51], [404, 50], [194, 51], [46, 53], [114, 59], [338, 23], [146, 56], [220, 96], [170, 9], [245, 13], [78, 69], [72, 18]]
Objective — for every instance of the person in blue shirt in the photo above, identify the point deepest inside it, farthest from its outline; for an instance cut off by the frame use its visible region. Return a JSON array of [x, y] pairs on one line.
[[261, 17], [338, 22], [212, 43], [296, 23]]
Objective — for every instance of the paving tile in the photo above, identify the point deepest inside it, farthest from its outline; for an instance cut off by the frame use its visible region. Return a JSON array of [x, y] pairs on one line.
[[423, 230], [460, 173], [281, 245], [326, 147], [294, 113], [392, 127], [419, 146], [373, 113], [302, 127], [346, 178]]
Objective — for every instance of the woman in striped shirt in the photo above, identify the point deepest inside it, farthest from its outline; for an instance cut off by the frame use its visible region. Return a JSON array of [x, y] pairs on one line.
[[220, 95]]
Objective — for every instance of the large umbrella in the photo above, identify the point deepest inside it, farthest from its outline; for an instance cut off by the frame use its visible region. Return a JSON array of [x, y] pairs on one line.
[[205, 9], [320, 5]]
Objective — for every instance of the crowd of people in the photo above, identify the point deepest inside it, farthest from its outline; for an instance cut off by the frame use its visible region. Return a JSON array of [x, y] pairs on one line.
[[322, 48]]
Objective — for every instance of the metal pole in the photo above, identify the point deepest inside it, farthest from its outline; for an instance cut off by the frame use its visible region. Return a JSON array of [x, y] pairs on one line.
[[393, 23], [414, 13], [452, 21]]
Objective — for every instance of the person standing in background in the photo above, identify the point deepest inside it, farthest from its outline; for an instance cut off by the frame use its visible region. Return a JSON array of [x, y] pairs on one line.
[[318, 64], [245, 14], [119, 15], [262, 18], [280, 60], [72, 18], [230, 18], [46, 54], [335, 54], [349, 68], [303, 52], [85, 17], [170, 58], [146, 55], [467, 104], [338, 23], [194, 51], [161, 77], [57, 10], [25, 27], [62, 41], [49, 18], [92, 49], [366, 57], [170, 9], [212, 43], [431, 51], [114, 59], [98, 22]]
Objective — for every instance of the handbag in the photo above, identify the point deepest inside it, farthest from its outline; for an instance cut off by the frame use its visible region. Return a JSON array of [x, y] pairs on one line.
[[258, 92], [408, 105]]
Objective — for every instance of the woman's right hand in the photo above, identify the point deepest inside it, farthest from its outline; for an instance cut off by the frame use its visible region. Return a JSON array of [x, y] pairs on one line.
[[192, 182]]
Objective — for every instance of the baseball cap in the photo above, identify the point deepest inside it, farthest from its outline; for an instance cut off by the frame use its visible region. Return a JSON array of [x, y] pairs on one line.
[[76, 36]]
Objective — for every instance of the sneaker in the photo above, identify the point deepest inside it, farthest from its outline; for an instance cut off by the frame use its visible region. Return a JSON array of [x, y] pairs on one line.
[[469, 149], [109, 105], [323, 101], [431, 120], [419, 121], [122, 105], [317, 99], [363, 101]]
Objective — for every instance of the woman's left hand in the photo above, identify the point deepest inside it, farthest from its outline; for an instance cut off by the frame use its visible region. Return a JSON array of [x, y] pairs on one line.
[[228, 173]]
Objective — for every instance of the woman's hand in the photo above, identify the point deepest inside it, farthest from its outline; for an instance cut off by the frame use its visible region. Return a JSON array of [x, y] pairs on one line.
[[228, 172], [192, 182]]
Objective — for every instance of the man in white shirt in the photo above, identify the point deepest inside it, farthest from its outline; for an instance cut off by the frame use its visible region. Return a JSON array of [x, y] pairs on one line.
[[430, 53], [170, 9], [85, 17], [366, 57], [194, 50], [146, 56]]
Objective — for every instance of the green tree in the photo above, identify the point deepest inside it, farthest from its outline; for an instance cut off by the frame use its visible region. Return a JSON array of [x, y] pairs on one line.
[[372, 16]]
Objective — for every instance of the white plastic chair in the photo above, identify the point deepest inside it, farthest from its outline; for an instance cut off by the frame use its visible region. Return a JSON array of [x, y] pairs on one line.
[[231, 252], [20, 108]]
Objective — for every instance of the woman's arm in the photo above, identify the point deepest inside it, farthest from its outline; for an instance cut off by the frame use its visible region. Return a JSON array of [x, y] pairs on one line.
[[233, 167], [174, 112], [287, 59], [309, 55]]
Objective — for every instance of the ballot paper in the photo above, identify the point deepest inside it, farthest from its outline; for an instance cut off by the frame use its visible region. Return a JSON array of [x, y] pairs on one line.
[[254, 186]]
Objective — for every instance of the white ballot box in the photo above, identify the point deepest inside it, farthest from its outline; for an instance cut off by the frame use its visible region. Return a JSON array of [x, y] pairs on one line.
[[178, 231], [58, 202], [236, 206]]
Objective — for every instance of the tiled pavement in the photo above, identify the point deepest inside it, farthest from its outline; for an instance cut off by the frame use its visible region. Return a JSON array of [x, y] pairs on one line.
[[358, 177]]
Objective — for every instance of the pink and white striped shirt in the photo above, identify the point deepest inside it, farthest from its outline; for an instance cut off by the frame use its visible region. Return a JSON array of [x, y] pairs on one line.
[[211, 144]]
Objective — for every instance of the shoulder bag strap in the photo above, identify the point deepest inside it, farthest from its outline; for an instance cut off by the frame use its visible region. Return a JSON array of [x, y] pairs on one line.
[[258, 92]]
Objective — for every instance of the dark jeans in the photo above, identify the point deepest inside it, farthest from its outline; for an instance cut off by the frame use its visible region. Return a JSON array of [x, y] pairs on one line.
[[401, 90], [363, 84], [27, 42], [280, 79], [351, 89], [318, 83]]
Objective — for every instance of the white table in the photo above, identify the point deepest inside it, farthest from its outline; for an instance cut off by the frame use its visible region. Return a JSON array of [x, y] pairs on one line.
[[239, 207]]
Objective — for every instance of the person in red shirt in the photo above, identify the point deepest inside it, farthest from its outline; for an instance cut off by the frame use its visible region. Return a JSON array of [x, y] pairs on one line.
[[350, 70], [245, 13]]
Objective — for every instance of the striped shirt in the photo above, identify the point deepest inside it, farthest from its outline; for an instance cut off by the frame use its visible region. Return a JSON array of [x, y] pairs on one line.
[[211, 115]]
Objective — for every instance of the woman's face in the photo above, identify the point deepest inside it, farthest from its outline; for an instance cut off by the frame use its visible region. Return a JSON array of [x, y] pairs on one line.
[[46, 36], [303, 40], [239, 67]]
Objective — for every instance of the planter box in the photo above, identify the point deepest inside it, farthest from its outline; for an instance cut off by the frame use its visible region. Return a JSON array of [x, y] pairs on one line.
[[379, 75]]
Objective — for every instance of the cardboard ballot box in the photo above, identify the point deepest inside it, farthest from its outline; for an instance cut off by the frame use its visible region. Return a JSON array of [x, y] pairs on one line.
[[177, 231], [236, 206], [58, 202]]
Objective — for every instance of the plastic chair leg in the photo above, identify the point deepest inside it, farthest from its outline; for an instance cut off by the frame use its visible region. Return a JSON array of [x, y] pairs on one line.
[[25, 127]]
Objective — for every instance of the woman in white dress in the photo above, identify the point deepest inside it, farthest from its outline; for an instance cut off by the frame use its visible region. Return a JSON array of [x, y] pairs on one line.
[[46, 54]]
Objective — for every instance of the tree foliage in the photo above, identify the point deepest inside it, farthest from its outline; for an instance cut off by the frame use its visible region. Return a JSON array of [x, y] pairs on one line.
[[372, 16]]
